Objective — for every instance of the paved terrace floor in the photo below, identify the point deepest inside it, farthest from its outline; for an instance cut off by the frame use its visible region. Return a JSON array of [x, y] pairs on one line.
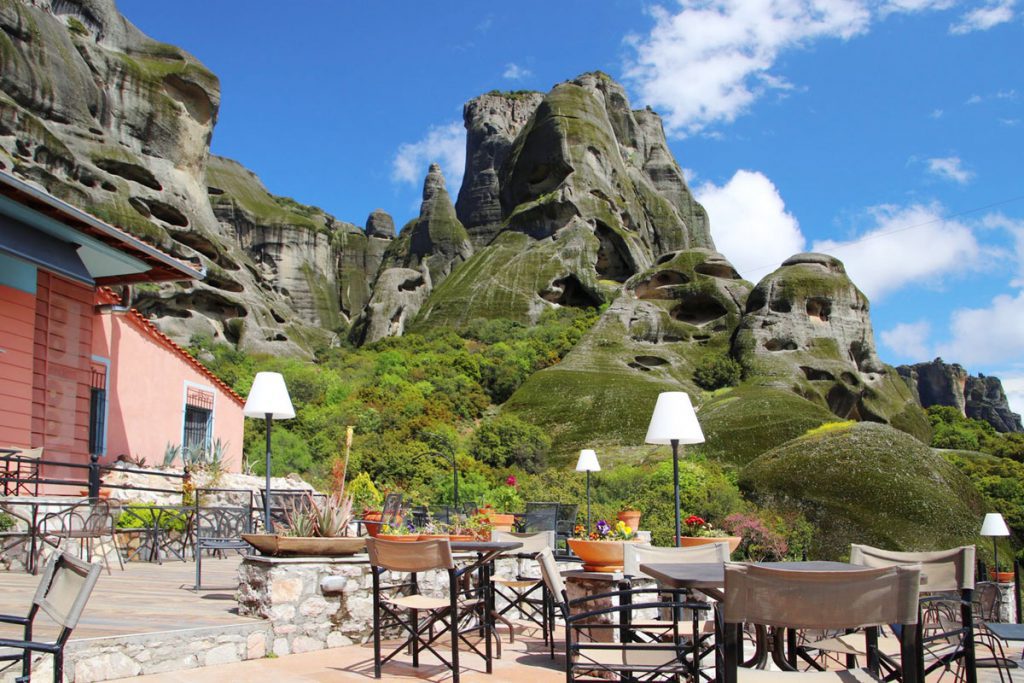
[[149, 598], [144, 598]]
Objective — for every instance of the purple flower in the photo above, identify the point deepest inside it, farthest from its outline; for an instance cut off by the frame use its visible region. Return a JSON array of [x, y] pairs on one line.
[[603, 527]]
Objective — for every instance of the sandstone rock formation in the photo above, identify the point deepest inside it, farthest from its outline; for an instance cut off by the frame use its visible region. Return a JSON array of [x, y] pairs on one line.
[[949, 384], [426, 251], [492, 123], [589, 196], [808, 325], [380, 224]]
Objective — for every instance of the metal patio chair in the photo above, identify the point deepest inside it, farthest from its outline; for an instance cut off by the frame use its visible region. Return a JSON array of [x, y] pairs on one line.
[[218, 529], [62, 594], [523, 592]]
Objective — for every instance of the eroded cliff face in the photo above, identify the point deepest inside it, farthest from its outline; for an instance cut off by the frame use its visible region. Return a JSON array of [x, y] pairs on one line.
[[949, 384]]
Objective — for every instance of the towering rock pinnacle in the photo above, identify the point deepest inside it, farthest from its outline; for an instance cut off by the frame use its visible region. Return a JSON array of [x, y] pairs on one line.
[[949, 384], [492, 123]]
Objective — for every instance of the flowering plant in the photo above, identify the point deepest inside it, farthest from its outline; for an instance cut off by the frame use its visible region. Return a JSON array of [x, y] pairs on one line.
[[401, 529], [604, 531], [697, 527]]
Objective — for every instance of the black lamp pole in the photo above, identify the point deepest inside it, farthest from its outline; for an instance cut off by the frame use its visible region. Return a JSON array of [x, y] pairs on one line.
[[266, 496], [588, 501], [675, 484]]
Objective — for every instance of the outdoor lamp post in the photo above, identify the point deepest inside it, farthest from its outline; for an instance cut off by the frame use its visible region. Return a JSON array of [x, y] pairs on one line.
[[450, 459], [994, 525], [588, 463], [269, 399], [674, 422]]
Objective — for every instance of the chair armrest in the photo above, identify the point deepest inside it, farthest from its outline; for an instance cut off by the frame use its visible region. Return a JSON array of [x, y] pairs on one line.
[[13, 619], [31, 645]]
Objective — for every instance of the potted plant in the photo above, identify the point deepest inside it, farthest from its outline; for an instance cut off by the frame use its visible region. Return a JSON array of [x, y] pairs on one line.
[[697, 531], [479, 527], [630, 516], [601, 550], [1001, 573], [401, 531], [465, 529], [434, 529], [499, 502]]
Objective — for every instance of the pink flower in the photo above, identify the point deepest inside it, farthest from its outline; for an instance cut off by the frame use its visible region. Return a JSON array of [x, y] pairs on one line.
[[511, 481]]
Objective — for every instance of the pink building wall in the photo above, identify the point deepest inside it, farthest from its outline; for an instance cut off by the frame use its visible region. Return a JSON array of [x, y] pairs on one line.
[[149, 378]]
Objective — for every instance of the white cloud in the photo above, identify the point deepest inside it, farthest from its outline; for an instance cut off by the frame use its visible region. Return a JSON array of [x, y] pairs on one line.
[[987, 335], [877, 260], [709, 61], [909, 341], [984, 18], [749, 222], [936, 114], [950, 168], [444, 145], [1015, 228], [515, 72], [1013, 385]]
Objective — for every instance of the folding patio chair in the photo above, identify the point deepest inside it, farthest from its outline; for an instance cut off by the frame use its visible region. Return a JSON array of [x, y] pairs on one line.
[[862, 599], [401, 605], [91, 524], [61, 595], [946, 624], [522, 592]]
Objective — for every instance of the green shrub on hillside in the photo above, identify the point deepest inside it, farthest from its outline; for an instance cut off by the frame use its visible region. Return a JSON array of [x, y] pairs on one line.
[[716, 372], [507, 441]]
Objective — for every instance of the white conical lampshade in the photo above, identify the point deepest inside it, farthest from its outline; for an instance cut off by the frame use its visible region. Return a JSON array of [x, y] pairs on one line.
[[994, 525], [588, 461], [674, 419], [269, 395]]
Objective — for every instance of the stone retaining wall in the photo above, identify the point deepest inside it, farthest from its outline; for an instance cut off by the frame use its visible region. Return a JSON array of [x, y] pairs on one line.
[[317, 603]]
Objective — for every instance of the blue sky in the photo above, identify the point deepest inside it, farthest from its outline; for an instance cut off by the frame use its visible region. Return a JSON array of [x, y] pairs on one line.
[[889, 133]]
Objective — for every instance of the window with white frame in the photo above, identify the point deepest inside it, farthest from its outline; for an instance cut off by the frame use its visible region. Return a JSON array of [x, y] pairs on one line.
[[198, 421]]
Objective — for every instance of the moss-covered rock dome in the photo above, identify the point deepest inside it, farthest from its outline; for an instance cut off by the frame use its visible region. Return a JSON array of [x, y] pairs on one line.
[[867, 483]]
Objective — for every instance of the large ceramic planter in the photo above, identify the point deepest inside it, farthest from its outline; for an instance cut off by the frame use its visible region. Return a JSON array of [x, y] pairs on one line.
[[690, 541], [403, 538], [599, 556], [630, 518], [274, 544], [499, 521], [372, 522], [1000, 577]]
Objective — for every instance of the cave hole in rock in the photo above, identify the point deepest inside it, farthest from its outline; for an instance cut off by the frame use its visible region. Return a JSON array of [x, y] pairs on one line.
[[777, 344], [819, 308], [843, 402], [108, 186], [780, 305], [159, 309], [192, 97], [130, 171], [141, 206], [278, 337], [233, 330], [816, 374], [277, 316], [755, 301], [215, 279], [411, 284], [859, 352], [211, 304], [850, 379], [698, 309], [657, 286], [665, 258], [719, 270], [210, 189], [613, 259], [672, 338], [651, 361], [203, 245], [167, 213], [568, 291], [638, 366]]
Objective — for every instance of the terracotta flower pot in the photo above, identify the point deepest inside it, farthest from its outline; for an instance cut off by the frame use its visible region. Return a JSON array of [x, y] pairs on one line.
[[631, 518], [1000, 577], [499, 521], [599, 556], [431, 537], [460, 537], [371, 520], [406, 538], [689, 541]]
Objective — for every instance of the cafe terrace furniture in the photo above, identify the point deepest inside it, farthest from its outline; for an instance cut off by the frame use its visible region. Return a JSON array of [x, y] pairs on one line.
[[596, 647], [863, 599], [401, 605], [522, 592], [61, 595], [946, 626], [90, 525], [218, 529], [164, 531], [19, 470]]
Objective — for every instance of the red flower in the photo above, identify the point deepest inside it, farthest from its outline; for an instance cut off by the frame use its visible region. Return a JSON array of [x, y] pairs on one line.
[[511, 481], [694, 520]]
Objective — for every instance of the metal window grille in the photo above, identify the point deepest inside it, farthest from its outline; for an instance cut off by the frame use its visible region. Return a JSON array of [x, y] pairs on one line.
[[197, 429], [97, 409]]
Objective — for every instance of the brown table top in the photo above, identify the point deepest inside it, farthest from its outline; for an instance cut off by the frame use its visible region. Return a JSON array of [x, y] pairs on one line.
[[712, 574], [485, 546]]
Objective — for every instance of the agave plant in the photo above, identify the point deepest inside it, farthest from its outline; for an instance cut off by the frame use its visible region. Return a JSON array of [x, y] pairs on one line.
[[299, 521], [333, 516], [171, 452]]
